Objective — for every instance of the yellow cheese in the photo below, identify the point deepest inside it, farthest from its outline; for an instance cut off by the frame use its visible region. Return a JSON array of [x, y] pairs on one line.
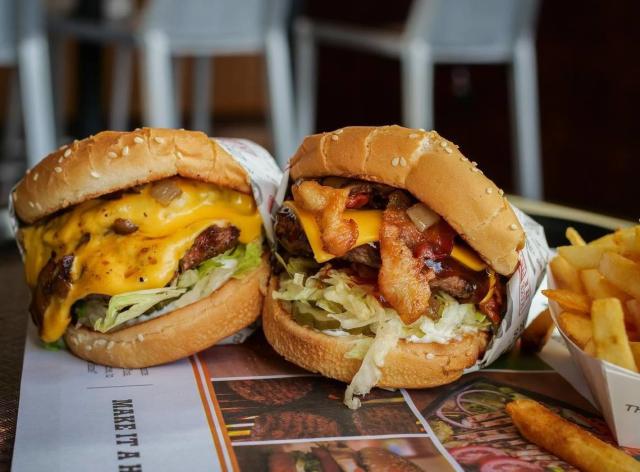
[[369, 222], [109, 263], [492, 287], [468, 258]]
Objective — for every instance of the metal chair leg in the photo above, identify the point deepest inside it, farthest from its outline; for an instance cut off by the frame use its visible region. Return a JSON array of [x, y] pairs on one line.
[[121, 88], [280, 95], [306, 80], [35, 82], [417, 86], [157, 81], [200, 95], [525, 124]]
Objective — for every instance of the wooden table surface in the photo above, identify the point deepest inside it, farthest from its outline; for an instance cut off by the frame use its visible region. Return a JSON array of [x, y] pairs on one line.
[[15, 298]]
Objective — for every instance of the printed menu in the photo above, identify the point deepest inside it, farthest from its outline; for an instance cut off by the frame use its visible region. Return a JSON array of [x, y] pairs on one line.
[[242, 407]]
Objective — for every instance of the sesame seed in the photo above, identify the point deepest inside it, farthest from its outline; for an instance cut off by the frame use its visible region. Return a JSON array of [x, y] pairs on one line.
[[31, 204], [513, 226], [395, 161], [334, 137], [138, 140], [421, 129], [489, 190], [61, 159], [140, 337], [430, 355], [403, 162], [475, 169], [338, 131], [125, 151], [474, 164], [38, 206], [110, 345], [35, 176], [88, 347], [28, 171], [64, 146], [462, 159], [67, 153], [112, 154], [413, 136], [448, 150], [443, 144], [158, 140], [179, 155], [58, 169], [500, 192], [94, 174]]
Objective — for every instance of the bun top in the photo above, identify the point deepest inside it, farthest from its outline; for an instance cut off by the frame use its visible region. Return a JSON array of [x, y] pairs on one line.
[[429, 167], [114, 160]]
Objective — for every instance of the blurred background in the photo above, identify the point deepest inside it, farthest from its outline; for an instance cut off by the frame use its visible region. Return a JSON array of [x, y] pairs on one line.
[[542, 94]]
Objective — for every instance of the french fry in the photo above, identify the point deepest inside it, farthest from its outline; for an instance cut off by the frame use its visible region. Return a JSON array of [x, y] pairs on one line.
[[635, 350], [628, 242], [609, 334], [633, 311], [569, 300], [584, 257], [576, 327], [536, 335], [597, 286], [621, 272], [565, 275], [590, 348], [566, 440], [574, 237], [606, 240]]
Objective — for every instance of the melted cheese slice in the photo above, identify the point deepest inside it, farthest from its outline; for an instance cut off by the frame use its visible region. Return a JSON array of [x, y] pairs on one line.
[[111, 264], [369, 222]]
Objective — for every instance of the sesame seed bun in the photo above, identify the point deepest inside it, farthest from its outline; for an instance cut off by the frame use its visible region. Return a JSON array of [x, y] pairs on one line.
[[408, 365], [180, 333], [429, 167], [114, 160]]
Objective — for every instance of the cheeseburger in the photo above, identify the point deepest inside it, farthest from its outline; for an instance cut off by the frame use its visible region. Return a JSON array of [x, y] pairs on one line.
[[140, 247], [395, 252]]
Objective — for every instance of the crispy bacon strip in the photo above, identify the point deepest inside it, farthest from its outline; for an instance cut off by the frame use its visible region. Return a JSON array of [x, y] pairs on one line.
[[327, 204], [403, 279]]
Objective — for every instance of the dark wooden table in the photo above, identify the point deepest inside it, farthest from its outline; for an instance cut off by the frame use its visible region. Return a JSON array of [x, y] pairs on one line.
[[14, 298]]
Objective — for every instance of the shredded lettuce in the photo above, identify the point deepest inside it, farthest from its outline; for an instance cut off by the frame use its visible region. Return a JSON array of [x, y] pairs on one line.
[[369, 372], [332, 302], [189, 287], [127, 306]]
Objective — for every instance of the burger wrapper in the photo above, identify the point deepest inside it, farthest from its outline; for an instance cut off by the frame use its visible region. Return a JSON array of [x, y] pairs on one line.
[[614, 389], [520, 289], [264, 177]]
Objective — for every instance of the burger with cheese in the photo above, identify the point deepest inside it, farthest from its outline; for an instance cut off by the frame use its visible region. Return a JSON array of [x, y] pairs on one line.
[[395, 251], [140, 247]]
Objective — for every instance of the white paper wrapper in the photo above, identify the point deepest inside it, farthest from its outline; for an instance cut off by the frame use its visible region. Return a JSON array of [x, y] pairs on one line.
[[521, 287], [264, 176], [615, 390]]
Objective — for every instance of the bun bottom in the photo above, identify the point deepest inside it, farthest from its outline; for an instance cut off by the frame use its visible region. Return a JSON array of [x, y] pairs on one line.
[[408, 365], [179, 334]]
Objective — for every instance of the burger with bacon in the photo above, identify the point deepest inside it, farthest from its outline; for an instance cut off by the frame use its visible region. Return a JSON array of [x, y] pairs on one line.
[[394, 252], [140, 247]]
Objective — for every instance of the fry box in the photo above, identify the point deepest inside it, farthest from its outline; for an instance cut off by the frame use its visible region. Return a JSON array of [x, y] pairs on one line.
[[521, 286], [264, 177], [615, 390]]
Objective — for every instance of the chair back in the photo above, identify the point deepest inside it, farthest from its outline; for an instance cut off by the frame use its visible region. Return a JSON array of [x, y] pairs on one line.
[[471, 23], [215, 26], [8, 22]]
